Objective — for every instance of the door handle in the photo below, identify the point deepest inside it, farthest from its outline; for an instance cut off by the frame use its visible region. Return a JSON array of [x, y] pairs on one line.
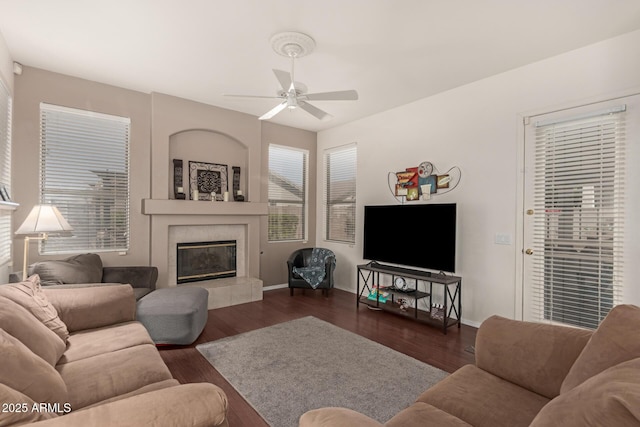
[[529, 252]]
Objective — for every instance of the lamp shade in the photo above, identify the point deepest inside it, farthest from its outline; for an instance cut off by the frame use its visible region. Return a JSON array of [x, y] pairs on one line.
[[44, 219]]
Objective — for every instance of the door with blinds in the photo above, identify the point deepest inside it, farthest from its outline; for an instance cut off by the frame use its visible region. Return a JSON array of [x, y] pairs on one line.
[[574, 212]]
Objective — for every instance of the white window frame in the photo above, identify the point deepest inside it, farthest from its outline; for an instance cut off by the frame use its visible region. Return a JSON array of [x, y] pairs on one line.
[[328, 190], [304, 199], [79, 190]]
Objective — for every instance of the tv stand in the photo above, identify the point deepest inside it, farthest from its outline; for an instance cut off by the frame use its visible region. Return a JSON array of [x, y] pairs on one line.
[[420, 289]]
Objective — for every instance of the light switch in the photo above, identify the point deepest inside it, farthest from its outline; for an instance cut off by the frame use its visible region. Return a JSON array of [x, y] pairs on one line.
[[503, 239]]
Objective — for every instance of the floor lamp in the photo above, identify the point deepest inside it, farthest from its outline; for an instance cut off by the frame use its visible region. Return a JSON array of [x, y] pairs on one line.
[[42, 220]]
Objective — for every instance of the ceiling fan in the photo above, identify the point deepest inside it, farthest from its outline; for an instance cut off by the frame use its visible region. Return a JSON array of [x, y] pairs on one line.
[[294, 94]]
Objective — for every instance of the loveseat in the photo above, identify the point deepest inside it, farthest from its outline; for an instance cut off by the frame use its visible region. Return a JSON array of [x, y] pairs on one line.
[[87, 270], [529, 374], [77, 357]]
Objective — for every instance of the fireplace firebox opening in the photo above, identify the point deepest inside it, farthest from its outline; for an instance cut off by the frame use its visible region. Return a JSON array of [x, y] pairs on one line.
[[197, 261]]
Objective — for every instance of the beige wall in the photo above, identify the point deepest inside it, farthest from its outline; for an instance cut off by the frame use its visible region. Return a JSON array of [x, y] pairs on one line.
[[162, 128], [273, 265]]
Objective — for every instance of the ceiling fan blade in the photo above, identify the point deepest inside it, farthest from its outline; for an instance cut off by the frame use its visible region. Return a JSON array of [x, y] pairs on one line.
[[269, 114], [315, 111], [341, 95], [284, 78]]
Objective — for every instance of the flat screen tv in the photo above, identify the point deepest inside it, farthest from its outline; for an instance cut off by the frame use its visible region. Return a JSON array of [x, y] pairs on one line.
[[421, 235]]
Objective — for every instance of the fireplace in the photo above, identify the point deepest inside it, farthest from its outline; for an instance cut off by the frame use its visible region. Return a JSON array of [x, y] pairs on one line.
[[197, 261]]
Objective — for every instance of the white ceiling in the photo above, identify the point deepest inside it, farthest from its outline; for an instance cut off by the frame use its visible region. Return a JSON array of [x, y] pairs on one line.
[[391, 51]]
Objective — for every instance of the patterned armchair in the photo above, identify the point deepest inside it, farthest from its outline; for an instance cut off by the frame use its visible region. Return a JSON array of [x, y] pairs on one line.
[[311, 268]]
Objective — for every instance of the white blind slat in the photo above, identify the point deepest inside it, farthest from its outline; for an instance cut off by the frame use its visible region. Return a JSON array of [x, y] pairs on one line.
[[85, 173], [578, 225], [340, 193], [5, 171], [288, 179]]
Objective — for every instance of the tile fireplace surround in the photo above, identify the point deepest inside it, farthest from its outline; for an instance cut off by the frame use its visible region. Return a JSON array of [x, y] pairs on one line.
[[183, 221]]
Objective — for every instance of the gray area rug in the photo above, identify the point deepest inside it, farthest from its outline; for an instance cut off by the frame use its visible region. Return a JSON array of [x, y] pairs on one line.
[[287, 369]]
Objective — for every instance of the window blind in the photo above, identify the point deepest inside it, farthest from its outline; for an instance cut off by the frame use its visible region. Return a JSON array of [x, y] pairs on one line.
[[287, 193], [84, 171], [578, 226], [5, 172], [340, 194]]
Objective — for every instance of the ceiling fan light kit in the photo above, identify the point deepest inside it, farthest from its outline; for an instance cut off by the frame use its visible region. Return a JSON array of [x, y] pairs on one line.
[[294, 94]]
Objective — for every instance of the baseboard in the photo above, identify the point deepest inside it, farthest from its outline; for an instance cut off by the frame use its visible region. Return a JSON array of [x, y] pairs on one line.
[[274, 287]]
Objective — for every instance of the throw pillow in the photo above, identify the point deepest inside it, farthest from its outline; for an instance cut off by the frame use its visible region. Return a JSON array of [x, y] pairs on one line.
[[27, 373], [616, 340], [29, 295], [610, 398], [84, 268], [17, 408], [24, 326]]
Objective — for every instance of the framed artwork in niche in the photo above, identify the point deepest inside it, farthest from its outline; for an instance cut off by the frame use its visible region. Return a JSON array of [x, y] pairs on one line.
[[207, 178]]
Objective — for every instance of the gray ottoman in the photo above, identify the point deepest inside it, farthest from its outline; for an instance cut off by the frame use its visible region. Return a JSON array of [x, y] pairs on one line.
[[174, 315]]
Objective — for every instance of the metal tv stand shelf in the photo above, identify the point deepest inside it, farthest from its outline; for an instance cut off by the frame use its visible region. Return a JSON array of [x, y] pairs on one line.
[[423, 281]]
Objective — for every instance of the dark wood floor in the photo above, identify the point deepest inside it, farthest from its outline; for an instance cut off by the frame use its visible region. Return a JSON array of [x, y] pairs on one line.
[[425, 343]]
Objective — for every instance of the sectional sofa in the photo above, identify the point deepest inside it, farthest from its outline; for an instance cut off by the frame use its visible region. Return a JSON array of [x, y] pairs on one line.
[[77, 357]]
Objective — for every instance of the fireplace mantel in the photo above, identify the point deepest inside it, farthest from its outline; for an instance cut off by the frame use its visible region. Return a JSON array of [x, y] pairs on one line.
[[195, 207]]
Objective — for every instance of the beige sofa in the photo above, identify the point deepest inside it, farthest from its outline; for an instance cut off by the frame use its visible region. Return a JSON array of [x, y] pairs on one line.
[[529, 374], [77, 357]]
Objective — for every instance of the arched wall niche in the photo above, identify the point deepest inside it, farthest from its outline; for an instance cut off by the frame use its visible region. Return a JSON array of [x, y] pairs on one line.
[[208, 146]]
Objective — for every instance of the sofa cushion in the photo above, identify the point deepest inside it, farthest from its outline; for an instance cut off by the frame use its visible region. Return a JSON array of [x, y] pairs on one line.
[[21, 324], [336, 417], [29, 295], [420, 414], [610, 398], [18, 408], [108, 375], [532, 355], [201, 404], [93, 307], [29, 374], [484, 400], [84, 268], [615, 341], [146, 389], [92, 342]]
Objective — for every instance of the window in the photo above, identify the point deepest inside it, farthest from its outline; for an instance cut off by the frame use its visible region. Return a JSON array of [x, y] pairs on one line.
[[287, 193], [578, 217], [84, 171], [340, 194], [5, 172]]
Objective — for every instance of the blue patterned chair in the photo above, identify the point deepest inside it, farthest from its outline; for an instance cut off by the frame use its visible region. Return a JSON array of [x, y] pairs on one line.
[[311, 268]]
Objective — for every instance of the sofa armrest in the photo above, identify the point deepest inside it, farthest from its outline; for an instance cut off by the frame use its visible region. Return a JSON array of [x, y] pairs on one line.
[[136, 276], [532, 355], [93, 307], [201, 404], [336, 417]]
